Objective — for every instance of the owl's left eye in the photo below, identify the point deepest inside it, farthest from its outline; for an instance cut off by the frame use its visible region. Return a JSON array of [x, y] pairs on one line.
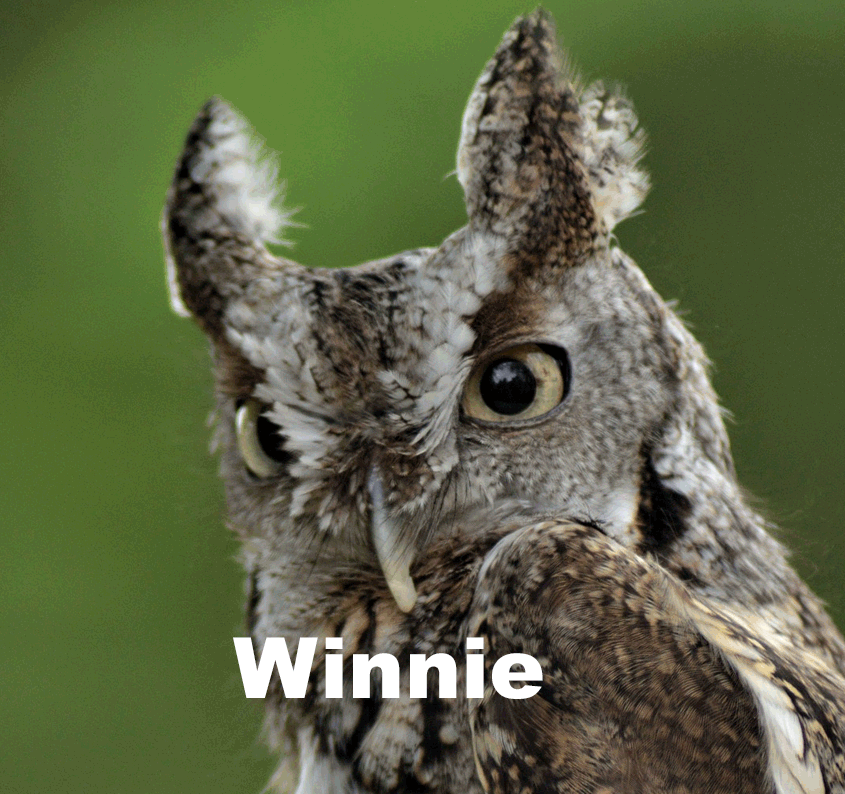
[[260, 442], [523, 382]]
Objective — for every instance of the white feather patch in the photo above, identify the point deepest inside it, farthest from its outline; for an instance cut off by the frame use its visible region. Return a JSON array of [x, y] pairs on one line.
[[233, 161], [173, 290], [612, 149], [319, 771], [793, 767]]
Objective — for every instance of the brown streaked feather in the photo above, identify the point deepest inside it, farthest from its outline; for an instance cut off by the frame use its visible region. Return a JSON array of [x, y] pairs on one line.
[[518, 160]]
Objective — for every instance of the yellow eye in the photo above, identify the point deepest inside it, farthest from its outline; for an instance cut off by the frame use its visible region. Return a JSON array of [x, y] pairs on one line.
[[260, 441], [520, 383]]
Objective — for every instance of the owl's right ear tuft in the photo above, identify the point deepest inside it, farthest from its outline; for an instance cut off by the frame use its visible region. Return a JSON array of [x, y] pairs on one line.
[[222, 208], [547, 166]]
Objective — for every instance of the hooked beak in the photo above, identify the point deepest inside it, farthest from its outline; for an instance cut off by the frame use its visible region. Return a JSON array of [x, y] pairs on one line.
[[395, 555]]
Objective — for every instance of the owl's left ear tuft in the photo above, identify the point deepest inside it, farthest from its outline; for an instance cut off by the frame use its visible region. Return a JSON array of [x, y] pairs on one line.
[[612, 148]]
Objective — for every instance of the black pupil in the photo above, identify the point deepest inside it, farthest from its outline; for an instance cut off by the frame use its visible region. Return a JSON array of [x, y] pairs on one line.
[[508, 387], [270, 440]]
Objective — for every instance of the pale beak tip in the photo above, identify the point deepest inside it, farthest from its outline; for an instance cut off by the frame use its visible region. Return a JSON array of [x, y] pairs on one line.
[[394, 557], [404, 593]]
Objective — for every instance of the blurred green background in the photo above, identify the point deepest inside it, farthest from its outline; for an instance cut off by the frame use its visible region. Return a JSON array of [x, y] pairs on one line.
[[118, 591]]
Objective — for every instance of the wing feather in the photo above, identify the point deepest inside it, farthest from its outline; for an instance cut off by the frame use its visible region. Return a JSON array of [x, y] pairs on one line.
[[647, 686]]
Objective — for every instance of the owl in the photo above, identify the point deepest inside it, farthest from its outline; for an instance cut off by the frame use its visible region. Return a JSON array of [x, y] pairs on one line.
[[508, 437]]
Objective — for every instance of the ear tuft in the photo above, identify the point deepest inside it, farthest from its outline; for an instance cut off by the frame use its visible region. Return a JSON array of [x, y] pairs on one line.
[[222, 208], [613, 148], [545, 164], [233, 163], [519, 159]]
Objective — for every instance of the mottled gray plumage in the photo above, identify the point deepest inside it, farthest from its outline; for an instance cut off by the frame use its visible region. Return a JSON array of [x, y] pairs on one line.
[[391, 495]]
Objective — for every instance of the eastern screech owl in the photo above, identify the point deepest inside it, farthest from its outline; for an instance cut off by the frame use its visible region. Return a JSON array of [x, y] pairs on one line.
[[509, 436]]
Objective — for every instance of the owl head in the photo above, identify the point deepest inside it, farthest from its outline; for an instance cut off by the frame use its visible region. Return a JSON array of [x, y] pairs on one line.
[[524, 367]]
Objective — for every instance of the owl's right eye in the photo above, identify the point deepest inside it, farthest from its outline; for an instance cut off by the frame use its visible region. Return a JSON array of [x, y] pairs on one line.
[[523, 382], [260, 441]]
